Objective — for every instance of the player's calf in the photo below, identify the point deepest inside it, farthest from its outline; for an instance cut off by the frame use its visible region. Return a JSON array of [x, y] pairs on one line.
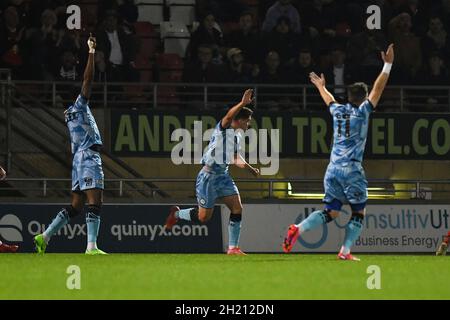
[[353, 230], [62, 218], [93, 226], [314, 220]]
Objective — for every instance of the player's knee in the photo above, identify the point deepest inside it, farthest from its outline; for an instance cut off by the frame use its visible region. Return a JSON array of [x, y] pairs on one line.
[[74, 211], [334, 214], [329, 215], [359, 208]]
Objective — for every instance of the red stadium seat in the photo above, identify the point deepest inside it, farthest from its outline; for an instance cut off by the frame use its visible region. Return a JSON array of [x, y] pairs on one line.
[[148, 39], [144, 29]]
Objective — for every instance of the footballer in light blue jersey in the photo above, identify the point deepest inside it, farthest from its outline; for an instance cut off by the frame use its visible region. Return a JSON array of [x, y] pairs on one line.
[[87, 172], [214, 181], [82, 127], [216, 156], [345, 180]]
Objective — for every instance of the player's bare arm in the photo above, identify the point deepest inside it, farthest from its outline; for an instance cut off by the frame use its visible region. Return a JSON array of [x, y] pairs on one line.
[[2, 173], [381, 81], [89, 71], [246, 100], [241, 163], [320, 83]]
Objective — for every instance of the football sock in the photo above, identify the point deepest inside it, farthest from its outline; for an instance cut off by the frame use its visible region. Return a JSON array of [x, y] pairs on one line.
[[314, 220], [61, 219], [93, 226], [184, 214], [352, 231], [234, 230]]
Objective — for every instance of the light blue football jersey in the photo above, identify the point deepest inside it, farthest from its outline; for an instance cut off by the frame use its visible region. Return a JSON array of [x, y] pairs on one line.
[[83, 129], [223, 146], [350, 126]]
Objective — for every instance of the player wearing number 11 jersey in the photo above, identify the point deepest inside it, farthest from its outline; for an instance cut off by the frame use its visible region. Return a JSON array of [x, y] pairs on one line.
[[345, 181]]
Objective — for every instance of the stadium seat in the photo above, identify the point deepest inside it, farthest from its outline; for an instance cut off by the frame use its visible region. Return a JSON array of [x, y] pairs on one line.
[[170, 67], [182, 11], [176, 37], [151, 11], [148, 39]]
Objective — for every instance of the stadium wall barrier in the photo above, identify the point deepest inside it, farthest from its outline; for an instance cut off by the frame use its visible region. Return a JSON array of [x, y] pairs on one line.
[[124, 228], [387, 228], [399, 136]]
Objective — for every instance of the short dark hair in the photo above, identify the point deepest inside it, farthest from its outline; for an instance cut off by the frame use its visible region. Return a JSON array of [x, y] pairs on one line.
[[244, 113], [357, 92]]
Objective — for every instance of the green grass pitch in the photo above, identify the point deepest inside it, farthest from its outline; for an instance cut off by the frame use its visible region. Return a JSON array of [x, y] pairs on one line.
[[217, 276]]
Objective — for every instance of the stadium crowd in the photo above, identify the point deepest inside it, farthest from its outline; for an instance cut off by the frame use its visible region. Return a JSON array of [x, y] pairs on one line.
[[274, 41]]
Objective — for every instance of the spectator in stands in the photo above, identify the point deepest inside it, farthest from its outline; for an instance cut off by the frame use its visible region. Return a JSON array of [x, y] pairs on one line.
[[129, 13], [299, 72], [282, 8], [71, 41], [444, 10], [408, 55], [100, 67], [271, 73], [339, 73], [437, 38], [283, 40], [43, 47], [236, 70], [318, 16], [246, 38], [363, 52], [119, 50], [68, 69], [11, 42], [225, 11], [435, 73], [208, 34], [22, 7], [203, 69]]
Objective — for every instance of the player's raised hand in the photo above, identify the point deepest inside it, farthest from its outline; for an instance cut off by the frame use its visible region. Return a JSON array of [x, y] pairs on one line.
[[2, 173], [247, 97], [92, 43], [316, 80], [254, 171], [388, 57]]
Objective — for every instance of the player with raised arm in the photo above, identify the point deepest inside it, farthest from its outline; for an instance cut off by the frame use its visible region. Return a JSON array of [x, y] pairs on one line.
[[345, 181], [87, 171], [214, 181], [6, 248]]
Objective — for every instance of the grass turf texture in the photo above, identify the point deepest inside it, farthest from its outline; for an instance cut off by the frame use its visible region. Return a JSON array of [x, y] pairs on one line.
[[217, 276]]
